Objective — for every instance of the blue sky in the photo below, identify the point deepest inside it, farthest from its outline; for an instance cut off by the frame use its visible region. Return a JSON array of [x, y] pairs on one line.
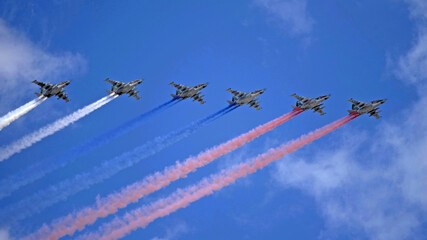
[[364, 181]]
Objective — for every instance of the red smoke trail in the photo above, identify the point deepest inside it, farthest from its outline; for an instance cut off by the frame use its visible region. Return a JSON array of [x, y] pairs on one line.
[[141, 217], [132, 193]]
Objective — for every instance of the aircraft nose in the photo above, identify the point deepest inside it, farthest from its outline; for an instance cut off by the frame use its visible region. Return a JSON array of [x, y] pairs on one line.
[[384, 100]]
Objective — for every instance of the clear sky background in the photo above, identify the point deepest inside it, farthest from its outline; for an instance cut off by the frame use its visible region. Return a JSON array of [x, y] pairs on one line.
[[367, 180]]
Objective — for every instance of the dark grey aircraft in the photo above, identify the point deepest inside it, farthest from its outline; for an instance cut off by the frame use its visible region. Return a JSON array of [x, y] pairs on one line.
[[48, 90], [307, 103], [242, 98], [366, 107], [184, 92], [120, 88]]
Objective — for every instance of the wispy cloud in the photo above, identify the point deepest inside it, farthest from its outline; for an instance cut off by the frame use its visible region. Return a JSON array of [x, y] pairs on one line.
[[21, 61], [174, 232], [4, 235], [412, 67], [358, 195], [292, 15]]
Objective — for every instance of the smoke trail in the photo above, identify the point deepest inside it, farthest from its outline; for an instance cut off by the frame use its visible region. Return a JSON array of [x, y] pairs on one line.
[[141, 217], [41, 168], [61, 191], [19, 112], [132, 193], [50, 129]]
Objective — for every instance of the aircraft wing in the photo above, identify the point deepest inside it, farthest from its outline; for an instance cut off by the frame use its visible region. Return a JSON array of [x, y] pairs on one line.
[[115, 83], [63, 95], [255, 104], [376, 115], [320, 111], [40, 83], [178, 86], [236, 93], [299, 98], [199, 99], [354, 101]]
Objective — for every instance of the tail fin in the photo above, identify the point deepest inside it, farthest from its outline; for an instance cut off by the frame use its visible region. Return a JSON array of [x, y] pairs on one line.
[[38, 94], [351, 111], [109, 92], [294, 107], [174, 96], [230, 102]]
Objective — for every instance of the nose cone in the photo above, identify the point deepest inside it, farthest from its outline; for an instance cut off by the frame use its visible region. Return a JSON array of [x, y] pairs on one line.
[[262, 91], [204, 85], [67, 82], [384, 100], [327, 96]]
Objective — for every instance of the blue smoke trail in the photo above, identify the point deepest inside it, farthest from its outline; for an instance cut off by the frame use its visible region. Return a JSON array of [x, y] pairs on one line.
[[61, 191], [42, 168]]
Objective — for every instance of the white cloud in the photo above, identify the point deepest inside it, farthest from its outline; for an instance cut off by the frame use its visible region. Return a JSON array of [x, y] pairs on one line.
[[291, 14], [4, 235], [173, 232], [412, 67], [383, 200], [418, 9], [21, 61]]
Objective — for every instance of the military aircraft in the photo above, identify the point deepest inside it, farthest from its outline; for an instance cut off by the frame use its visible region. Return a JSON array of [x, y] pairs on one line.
[[48, 90], [366, 107], [184, 92], [307, 103], [120, 88], [242, 98]]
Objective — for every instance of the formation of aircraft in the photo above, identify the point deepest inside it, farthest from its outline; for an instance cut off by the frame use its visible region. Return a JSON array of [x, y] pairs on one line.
[[184, 92], [366, 107], [307, 103], [242, 98], [48, 90], [121, 88]]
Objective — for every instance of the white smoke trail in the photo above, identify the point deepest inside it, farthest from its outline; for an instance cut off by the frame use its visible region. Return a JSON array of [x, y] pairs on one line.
[[50, 129], [19, 112]]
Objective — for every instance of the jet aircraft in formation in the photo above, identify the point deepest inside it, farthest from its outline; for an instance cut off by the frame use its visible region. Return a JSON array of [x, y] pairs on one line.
[[120, 88], [366, 107], [184, 92], [48, 90], [242, 98], [307, 103]]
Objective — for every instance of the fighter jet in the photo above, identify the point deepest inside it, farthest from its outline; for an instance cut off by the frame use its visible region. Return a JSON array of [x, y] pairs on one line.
[[184, 92], [366, 107], [48, 90], [307, 103], [242, 98], [120, 88]]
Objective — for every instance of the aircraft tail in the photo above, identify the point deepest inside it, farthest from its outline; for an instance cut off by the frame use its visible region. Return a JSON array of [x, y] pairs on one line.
[[230, 102], [351, 111], [109, 92], [294, 107], [38, 94], [174, 96]]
